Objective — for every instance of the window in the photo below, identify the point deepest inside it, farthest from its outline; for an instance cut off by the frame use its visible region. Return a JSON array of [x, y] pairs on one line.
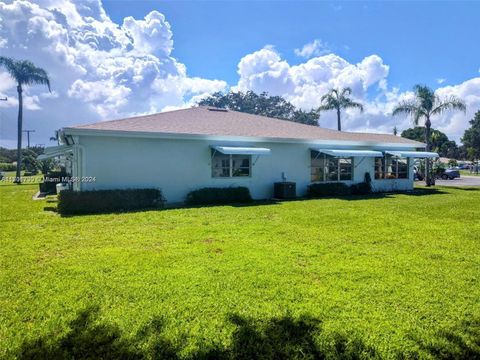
[[390, 167], [329, 168], [230, 165]]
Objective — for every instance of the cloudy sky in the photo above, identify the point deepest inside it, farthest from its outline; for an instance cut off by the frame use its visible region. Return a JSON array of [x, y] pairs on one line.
[[114, 59]]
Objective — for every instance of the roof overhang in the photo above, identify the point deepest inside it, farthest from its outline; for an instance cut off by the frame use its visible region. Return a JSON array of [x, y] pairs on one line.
[[350, 153], [224, 138], [237, 150], [413, 154], [54, 151]]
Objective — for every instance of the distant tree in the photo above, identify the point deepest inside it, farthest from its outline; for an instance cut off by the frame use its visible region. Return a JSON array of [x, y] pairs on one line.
[[24, 73], [438, 140], [425, 105], [338, 99], [395, 131], [261, 104], [471, 138]]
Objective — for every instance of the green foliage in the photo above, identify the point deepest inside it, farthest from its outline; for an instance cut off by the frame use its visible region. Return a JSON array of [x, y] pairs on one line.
[[106, 201], [337, 278], [362, 188], [438, 140], [263, 104], [328, 189], [471, 138], [30, 162], [7, 167], [211, 196]]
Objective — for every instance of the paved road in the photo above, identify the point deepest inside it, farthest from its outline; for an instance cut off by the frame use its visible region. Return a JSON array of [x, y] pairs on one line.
[[463, 181]]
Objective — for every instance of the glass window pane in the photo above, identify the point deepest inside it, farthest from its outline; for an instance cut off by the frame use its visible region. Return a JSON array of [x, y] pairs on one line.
[[402, 168], [345, 168], [332, 169], [220, 165], [390, 168], [379, 168], [241, 165], [317, 166]]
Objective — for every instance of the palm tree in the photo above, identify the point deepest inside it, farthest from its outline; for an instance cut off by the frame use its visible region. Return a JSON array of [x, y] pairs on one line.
[[337, 99], [425, 105], [24, 72]]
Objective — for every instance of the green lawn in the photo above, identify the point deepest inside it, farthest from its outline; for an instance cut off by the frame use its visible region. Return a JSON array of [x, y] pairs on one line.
[[392, 276], [468, 173]]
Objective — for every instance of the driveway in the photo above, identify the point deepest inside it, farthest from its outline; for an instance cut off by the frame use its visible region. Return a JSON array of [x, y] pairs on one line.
[[462, 181]]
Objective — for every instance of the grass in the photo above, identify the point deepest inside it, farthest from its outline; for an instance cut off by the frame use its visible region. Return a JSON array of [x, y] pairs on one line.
[[393, 276], [468, 173]]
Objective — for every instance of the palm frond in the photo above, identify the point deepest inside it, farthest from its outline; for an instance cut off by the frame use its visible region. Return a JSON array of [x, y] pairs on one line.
[[405, 108], [9, 64], [451, 103], [347, 103], [346, 91]]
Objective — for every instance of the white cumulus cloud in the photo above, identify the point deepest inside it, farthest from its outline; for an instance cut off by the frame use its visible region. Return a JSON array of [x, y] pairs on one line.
[[314, 48], [99, 69]]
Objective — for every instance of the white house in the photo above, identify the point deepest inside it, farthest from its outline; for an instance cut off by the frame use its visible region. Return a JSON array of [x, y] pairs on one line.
[[180, 151]]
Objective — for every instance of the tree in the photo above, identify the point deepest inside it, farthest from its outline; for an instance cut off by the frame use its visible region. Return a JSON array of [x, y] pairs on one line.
[[395, 131], [24, 73], [425, 105], [252, 103], [440, 143], [338, 99], [471, 138]]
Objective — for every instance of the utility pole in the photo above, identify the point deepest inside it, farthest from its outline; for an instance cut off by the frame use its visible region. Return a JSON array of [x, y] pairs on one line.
[[28, 136]]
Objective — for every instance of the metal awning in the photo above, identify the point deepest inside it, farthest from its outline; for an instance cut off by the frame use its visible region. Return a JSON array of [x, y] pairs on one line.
[[53, 151], [413, 154], [350, 153], [234, 150]]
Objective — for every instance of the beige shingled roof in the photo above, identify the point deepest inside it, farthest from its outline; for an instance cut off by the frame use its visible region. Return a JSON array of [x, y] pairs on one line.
[[216, 122]]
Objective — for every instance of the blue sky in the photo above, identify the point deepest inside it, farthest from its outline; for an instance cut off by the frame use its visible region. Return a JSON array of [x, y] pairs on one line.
[[114, 59], [422, 41]]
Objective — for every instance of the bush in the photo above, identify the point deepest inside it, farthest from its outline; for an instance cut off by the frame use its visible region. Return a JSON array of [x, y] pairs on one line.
[[7, 167], [105, 201], [363, 188], [212, 196], [328, 189]]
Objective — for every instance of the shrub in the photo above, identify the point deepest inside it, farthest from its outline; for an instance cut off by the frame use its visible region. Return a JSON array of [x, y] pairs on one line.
[[7, 167], [328, 189], [212, 196], [105, 201], [363, 188]]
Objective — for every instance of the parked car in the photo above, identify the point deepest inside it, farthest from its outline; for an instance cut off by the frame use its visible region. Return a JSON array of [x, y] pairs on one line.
[[449, 174]]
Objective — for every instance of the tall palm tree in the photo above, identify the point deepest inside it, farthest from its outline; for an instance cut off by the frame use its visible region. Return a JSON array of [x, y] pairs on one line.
[[338, 99], [425, 105], [24, 72]]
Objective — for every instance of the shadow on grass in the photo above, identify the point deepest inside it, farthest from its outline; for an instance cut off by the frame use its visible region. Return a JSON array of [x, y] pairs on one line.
[[277, 338], [460, 342]]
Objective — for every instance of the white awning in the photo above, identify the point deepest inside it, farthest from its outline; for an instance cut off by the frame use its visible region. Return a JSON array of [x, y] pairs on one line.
[[413, 154], [233, 150], [53, 151], [350, 153]]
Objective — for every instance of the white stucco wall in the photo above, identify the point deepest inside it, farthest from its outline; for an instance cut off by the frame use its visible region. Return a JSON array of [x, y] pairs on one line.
[[179, 166]]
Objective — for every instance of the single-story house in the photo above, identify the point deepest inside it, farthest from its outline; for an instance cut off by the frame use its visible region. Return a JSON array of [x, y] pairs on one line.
[[183, 150]]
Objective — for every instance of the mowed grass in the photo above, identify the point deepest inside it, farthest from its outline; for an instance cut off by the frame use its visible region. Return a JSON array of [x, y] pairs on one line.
[[393, 276]]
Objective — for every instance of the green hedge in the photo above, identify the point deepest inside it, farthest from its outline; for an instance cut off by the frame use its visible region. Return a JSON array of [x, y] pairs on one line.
[[214, 196], [7, 167], [328, 189], [106, 201], [338, 189]]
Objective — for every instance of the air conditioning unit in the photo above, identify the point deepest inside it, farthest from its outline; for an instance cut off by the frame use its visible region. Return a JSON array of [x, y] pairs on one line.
[[285, 190]]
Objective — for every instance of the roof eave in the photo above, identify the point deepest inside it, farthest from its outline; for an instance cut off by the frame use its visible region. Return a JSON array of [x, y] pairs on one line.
[[161, 135]]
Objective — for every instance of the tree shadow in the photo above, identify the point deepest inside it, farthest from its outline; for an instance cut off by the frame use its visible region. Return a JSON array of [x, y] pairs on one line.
[[277, 338], [459, 342]]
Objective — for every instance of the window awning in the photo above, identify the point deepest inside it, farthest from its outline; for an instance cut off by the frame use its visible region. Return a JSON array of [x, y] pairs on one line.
[[349, 153], [413, 154], [53, 151], [234, 150]]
